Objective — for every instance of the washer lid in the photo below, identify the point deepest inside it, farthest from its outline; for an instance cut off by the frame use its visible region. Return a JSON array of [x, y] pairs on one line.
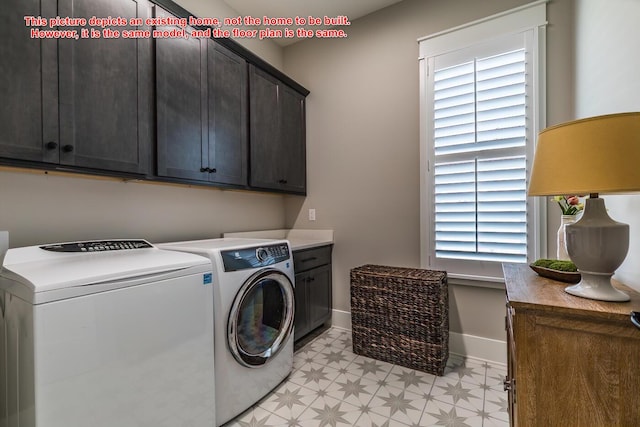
[[67, 265]]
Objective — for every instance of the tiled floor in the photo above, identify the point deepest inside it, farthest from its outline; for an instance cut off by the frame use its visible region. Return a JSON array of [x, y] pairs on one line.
[[332, 386]]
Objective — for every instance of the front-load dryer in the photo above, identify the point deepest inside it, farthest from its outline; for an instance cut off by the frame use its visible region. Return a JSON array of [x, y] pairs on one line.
[[105, 334], [253, 300]]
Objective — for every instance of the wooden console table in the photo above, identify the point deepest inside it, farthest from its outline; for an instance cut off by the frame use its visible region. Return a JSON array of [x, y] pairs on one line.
[[571, 361]]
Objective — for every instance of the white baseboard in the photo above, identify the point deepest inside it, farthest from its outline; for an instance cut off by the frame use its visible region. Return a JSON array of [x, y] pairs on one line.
[[474, 347], [481, 348], [341, 319]]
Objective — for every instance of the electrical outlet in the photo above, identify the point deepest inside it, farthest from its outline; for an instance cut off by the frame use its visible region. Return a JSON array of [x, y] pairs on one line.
[[312, 214]]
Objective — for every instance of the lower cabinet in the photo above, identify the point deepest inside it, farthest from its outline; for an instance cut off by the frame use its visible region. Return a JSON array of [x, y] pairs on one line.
[[571, 361], [313, 289]]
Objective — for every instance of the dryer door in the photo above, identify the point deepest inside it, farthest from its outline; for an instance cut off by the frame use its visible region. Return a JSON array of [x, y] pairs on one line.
[[261, 318]]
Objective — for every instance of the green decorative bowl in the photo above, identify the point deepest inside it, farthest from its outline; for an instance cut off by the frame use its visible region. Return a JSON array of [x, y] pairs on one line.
[[561, 276]]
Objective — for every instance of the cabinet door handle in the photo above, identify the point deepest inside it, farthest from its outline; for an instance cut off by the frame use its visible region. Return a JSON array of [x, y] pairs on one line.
[[51, 145], [212, 170], [204, 169], [635, 318], [311, 279], [508, 384], [282, 181], [67, 148], [313, 258]]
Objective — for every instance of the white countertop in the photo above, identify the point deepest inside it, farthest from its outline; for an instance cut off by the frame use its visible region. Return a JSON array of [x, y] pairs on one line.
[[299, 239]]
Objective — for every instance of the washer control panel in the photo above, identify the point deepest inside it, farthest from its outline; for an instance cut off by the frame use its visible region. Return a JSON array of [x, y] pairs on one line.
[[97, 246], [261, 256]]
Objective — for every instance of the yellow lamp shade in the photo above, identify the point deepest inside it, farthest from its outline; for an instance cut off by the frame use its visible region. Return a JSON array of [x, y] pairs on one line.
[[595, 155]]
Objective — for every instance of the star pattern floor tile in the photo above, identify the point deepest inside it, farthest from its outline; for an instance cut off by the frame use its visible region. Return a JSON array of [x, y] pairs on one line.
[[330, 386]]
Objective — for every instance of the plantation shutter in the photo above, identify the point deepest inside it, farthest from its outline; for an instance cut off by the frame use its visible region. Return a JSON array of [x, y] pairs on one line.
[[482, 103], [479, 141]]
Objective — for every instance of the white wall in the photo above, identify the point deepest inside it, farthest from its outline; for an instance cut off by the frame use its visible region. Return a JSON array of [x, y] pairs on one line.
[[363, 139], [36, 207], [608, 81]]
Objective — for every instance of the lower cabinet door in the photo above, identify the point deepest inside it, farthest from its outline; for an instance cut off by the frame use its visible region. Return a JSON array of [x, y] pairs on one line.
[[301, 319], [319, 291]]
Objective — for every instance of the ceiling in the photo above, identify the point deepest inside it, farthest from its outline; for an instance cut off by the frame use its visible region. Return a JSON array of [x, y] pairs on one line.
[[353, 9]]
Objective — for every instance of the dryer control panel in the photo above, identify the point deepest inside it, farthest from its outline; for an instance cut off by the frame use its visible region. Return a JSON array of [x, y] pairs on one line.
[[254, 257], [97, 246]]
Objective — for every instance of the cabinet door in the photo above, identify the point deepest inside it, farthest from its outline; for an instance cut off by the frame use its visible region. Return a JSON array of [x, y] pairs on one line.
[[228, 114], [301, 319], [277, 134], [319, 291], [510, 382], [292, 140], [29, 84], [266, 157], [181, 106], [105, 92]]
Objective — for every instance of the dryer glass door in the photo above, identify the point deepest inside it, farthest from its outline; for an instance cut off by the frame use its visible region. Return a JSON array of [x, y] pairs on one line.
[[261, 318]]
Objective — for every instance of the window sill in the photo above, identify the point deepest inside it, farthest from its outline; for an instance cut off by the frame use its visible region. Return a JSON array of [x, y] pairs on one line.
[[476, 281]]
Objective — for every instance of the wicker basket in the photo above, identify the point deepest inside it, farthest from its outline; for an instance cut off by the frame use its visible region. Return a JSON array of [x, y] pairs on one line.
[[401, 316]]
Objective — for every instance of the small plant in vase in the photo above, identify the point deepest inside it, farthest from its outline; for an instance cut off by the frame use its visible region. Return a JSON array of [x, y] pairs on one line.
[[571, 206]]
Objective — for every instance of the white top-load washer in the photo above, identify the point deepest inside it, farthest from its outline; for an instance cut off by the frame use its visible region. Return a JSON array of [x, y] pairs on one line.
[[104, 334], [254, 306]]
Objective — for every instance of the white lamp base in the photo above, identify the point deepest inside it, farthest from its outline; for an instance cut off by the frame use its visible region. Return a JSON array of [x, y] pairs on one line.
[[597, 245], [597, 286]]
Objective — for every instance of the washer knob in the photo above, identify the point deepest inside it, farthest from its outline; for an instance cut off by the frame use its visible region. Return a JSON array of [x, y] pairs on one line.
[[262, 254]]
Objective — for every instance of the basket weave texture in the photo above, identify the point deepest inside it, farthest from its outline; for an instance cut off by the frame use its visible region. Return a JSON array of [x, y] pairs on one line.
[[401, 316]]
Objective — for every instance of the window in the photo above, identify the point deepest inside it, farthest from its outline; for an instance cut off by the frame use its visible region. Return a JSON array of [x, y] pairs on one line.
[[480, 113]]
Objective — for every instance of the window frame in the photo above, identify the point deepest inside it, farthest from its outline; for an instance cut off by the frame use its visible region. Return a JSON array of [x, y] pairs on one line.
[[530, 18]]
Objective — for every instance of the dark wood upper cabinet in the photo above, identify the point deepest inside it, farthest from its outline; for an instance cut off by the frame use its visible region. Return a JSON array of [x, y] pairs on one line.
[[265, 129], [277, 117], [228, 115], [28, 86], [106, 92], [82, 103], [181, 106], [201, 111], [293, 139]]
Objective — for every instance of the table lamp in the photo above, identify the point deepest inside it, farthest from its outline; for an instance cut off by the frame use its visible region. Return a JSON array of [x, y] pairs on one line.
[[591, 156]]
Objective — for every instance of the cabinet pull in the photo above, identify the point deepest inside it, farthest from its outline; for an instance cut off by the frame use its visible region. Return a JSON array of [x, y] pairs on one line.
[[67, 148], [313, 258], [282, 181], [204, 170], [213, 170], [311, 279], [508, 384], [51, 145], [635, 318]]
